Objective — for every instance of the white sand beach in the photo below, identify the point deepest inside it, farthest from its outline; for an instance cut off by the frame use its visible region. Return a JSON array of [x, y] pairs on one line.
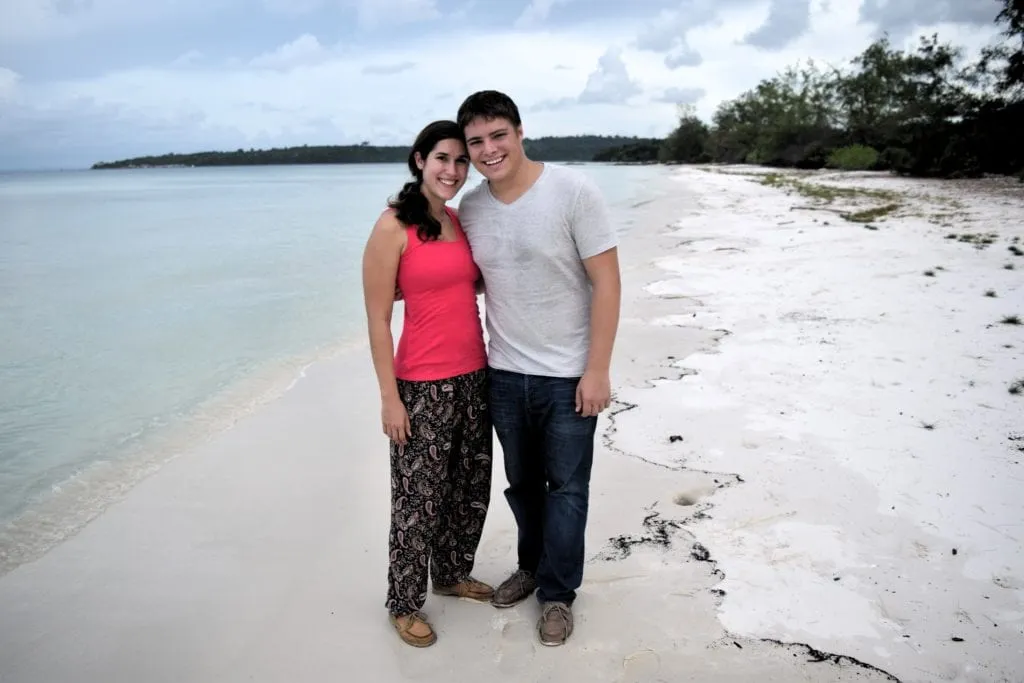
[[812, 472]]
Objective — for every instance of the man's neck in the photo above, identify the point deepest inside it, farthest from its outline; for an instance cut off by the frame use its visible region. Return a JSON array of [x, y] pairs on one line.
[[516, 186]]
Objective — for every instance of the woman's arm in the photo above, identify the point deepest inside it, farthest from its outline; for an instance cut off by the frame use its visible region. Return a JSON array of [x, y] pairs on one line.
[[380, 273]]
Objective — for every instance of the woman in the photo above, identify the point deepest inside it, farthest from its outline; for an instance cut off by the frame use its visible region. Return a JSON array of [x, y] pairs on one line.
[[434, 388]]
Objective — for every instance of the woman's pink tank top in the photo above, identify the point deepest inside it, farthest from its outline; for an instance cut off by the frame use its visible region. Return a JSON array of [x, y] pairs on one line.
[[441, 335]]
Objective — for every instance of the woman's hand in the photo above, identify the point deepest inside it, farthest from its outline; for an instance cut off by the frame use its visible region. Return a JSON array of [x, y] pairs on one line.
[[395, 420]]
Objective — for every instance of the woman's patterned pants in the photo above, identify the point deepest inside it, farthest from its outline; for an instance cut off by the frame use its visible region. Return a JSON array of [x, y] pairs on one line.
[[440, 487]]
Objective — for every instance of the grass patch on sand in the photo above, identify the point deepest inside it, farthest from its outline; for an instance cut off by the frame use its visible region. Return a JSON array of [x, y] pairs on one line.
[[946, 219], [823, 193], [824, 196], [871, 215], [1017, 387], [980, 240], [1011, 320], [991, 294]]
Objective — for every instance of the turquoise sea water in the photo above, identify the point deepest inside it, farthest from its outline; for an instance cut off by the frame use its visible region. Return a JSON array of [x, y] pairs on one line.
[[143, 309]]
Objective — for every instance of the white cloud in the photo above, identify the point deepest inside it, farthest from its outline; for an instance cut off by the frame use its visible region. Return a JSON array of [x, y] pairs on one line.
[[610, 82], [8, 83], [668, 32], [26, 21], [556, 104], [899, 17], [682, 95], [188, 59], [20, 19], [537, 11], [463, 12], [669, 28], [787, 20], [388, 69], [683, 55], [304, 50], [293, 104]]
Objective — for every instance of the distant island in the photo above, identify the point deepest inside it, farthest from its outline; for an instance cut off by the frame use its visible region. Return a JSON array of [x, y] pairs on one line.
[[578, 148]]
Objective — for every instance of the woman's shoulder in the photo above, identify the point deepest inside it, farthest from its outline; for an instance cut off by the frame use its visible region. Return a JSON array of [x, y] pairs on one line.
[[391, 230], [389, 223]]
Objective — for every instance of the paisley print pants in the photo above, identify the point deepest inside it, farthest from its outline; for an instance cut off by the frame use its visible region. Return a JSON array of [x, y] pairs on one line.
[[440, 487]]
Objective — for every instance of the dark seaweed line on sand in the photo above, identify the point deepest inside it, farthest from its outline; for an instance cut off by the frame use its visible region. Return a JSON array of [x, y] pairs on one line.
[[660, 532], [815, 656], [608, 436]]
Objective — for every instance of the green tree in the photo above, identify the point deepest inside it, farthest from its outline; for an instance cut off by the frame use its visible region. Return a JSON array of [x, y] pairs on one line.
[[788, 120], [1012, 16], [688, 142]]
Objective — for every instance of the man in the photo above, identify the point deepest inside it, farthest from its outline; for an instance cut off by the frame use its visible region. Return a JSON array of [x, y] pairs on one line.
[[544, 243]]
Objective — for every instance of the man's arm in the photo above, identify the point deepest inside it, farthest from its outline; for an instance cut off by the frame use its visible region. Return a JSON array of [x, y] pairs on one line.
[[594, 391], [597, 243], [603, 271]]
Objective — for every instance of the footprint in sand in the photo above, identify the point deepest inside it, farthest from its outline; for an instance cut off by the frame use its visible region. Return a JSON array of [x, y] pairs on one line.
[[1008, 582], [686, 499], [416, 664], [498, 546], [691, 497], [516, 647], [642, 665]]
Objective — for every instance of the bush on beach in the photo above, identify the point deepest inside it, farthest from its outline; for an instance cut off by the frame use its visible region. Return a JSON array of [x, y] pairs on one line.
[[853, 158]]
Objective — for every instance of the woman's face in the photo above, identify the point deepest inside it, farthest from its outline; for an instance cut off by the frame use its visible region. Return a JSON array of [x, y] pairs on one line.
[[445, 169]]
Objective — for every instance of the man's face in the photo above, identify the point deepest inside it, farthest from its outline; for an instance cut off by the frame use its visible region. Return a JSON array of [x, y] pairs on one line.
[[495, 147]]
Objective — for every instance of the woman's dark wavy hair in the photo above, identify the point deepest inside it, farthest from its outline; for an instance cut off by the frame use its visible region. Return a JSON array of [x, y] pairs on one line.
[[411, 206]]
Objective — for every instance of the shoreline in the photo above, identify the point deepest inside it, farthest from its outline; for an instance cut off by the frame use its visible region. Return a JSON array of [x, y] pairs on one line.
[[74, 494], [718, 527], [51, 518]]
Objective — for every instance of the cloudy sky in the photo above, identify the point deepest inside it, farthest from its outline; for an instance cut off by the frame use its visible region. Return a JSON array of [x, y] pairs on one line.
[[89, 80]]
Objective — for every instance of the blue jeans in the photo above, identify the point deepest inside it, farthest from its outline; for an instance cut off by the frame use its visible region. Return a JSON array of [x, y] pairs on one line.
[[549, 451]]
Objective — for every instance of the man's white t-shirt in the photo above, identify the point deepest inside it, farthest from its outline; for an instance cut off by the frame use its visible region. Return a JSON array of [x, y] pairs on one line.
[[531, 253]]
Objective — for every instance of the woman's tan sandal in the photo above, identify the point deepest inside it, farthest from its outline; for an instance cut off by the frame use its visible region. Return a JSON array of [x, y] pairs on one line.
[[404, 625], [471, 589]]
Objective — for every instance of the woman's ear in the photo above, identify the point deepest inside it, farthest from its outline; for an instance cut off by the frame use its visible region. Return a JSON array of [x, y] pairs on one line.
[[419, 161]]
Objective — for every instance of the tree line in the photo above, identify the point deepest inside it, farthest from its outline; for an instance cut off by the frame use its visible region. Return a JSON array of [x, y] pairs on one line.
[[552, 148], [921, 112]]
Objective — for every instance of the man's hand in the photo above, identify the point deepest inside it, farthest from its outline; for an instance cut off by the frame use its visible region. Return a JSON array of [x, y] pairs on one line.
[[593, 393]]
